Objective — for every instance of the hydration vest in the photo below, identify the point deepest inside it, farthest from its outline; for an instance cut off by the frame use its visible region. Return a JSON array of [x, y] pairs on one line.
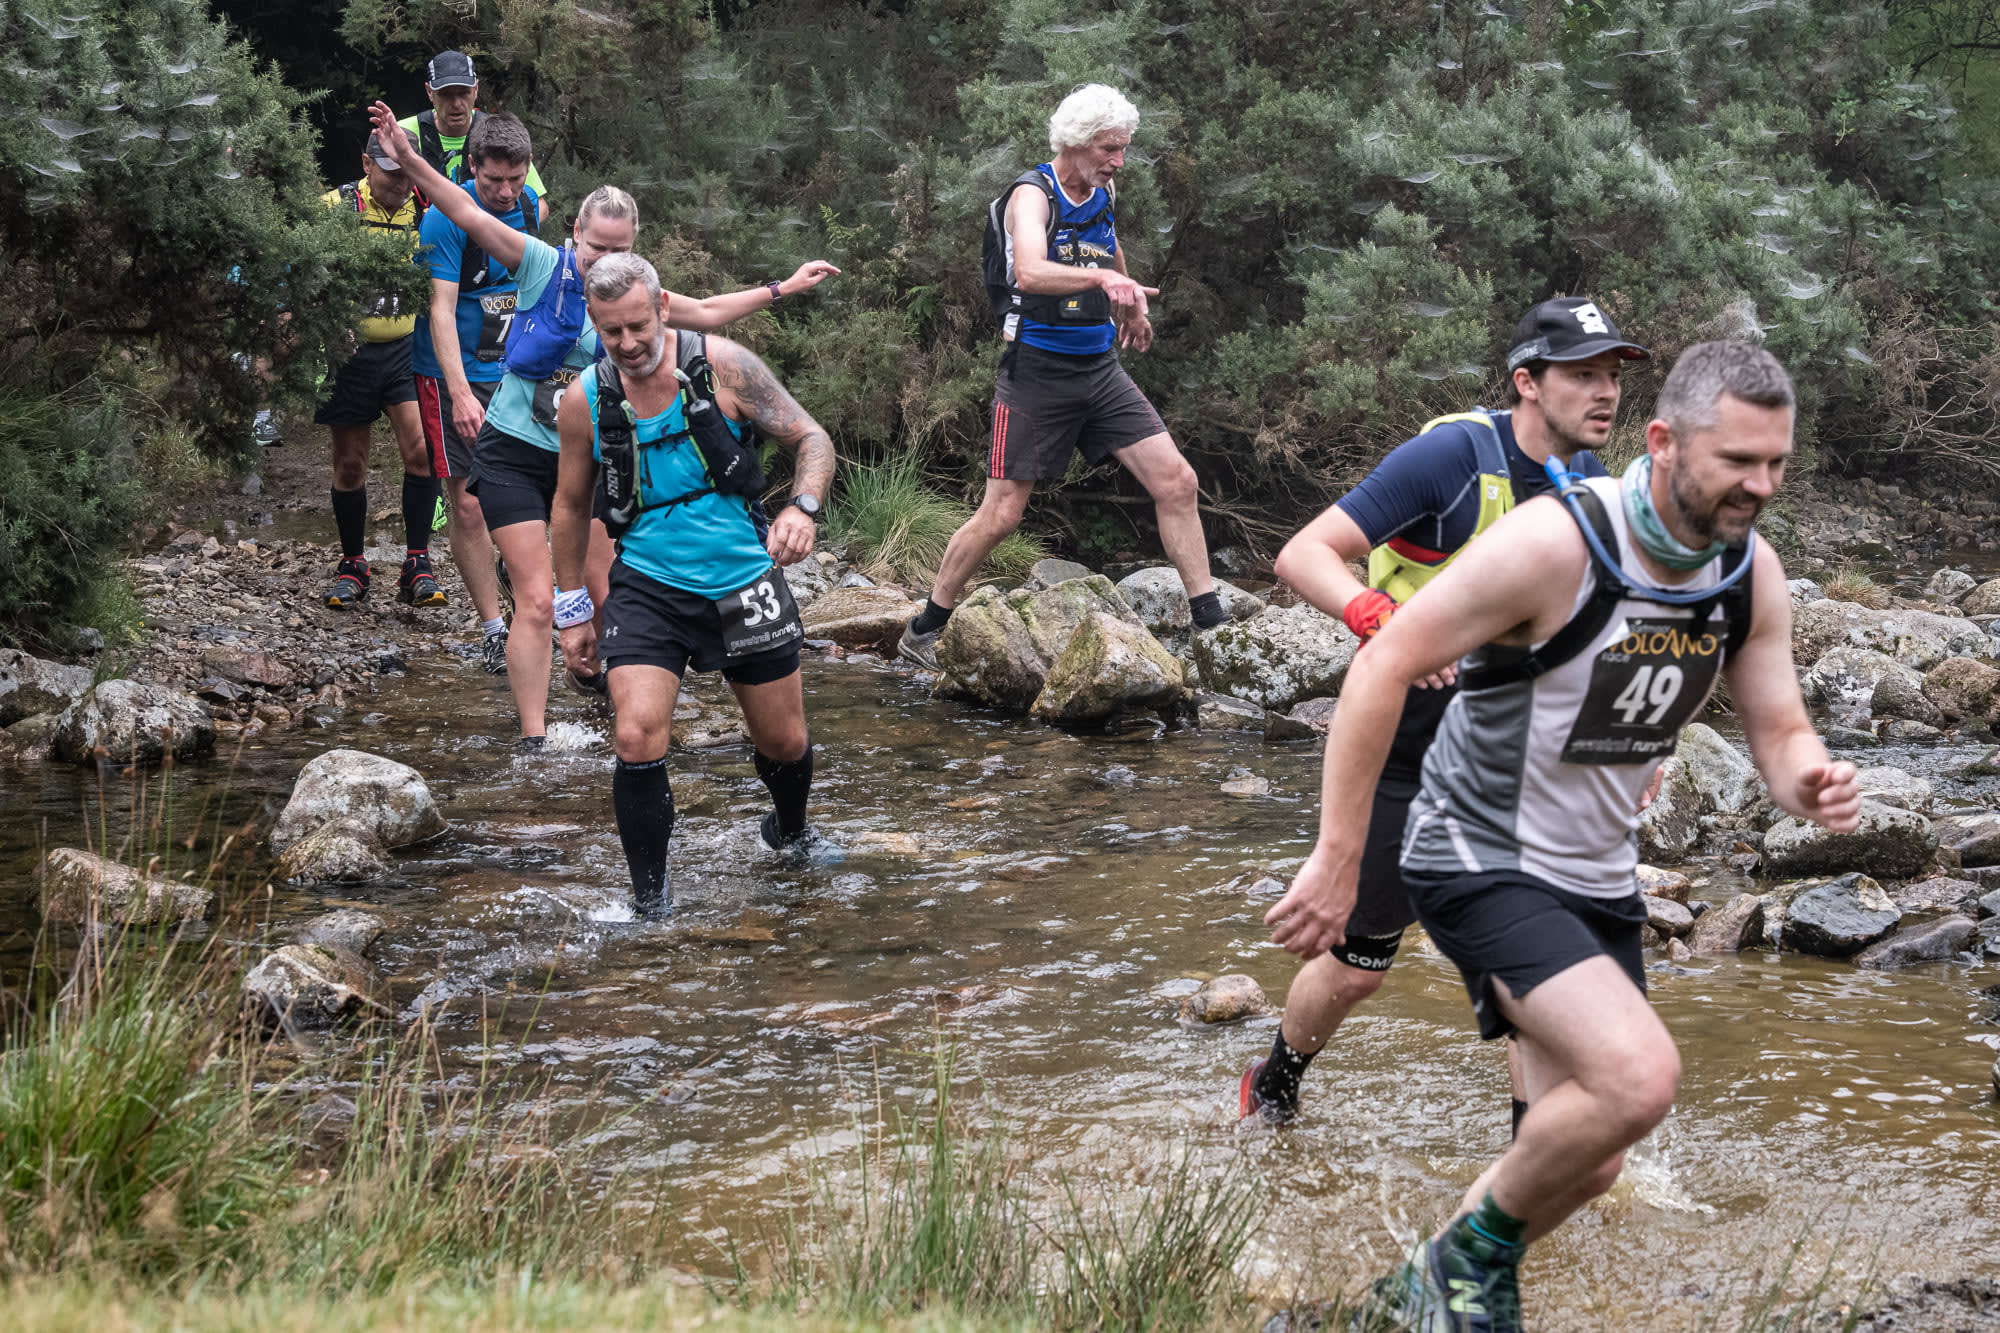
[[473, 270], [1400, 576], [732, 464], [1008, 302], [540, 339], [431, 144]]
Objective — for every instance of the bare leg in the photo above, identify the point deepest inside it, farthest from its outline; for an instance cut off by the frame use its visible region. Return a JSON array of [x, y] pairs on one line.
[[1176, 494], [350, 457], [775, 716], [999, 514], [645, 696], [1324, 992], [472, 550], [409, 431], [525, 548]]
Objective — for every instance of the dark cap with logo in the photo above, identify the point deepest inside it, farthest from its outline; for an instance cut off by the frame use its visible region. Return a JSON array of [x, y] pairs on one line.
[[382, 159], [451, 69], [1568, 328]]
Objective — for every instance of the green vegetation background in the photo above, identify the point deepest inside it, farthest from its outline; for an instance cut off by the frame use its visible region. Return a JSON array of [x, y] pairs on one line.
[[1345, 205]]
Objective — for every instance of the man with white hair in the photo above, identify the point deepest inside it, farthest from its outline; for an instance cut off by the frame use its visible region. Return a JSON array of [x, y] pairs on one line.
[[1066, 304]]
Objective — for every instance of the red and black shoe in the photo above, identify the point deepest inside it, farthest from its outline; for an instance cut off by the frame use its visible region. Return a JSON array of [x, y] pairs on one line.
[[1251, 1106], [350, 583], [417, 586]]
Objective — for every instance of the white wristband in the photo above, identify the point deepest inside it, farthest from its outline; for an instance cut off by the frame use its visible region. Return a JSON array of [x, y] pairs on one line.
[[573, 608]]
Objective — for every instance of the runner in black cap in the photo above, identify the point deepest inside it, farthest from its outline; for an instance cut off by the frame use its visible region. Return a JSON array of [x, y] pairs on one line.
[[1409, 519], [453, 87]]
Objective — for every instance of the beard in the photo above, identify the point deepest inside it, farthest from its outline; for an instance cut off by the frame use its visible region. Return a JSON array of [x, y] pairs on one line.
[[1703, 518], [654, 356]]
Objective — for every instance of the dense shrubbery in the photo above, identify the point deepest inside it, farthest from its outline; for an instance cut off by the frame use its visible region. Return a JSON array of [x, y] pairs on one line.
[[1346, 204]]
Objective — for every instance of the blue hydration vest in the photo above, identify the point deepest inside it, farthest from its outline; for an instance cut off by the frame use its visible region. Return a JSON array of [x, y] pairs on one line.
[[543, 337]]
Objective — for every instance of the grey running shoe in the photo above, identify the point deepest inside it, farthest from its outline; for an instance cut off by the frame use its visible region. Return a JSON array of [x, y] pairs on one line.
[[493, 654], [919, 649], [1462, 1292], [264, 433], [531, 744], [350, 584], [807, 847]]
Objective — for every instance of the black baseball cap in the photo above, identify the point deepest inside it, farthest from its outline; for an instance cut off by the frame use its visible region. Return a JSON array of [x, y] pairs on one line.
[[451, 69], [382, 159], [1569, 328]]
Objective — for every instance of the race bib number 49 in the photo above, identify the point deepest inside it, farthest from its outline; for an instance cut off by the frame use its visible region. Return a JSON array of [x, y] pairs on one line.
[[1644, 688]]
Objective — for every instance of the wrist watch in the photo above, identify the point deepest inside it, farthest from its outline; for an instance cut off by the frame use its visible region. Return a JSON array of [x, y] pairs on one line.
[[777, 292], [808, 505]]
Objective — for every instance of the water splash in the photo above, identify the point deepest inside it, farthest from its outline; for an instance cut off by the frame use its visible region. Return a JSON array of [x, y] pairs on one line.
[[573, 738]]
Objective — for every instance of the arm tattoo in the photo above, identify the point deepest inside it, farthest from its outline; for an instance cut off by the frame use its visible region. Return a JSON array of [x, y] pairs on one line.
[[760, 397]]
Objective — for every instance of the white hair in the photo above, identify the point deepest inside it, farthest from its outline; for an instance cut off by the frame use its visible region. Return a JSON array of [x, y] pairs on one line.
[[616, 274], [1089, 112]]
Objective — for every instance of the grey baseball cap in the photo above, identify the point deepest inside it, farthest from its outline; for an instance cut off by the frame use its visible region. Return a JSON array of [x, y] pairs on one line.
[[383, 160]]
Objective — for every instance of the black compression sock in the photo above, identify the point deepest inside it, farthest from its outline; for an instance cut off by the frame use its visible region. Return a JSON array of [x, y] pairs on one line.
[[420, 496], [1207, 610], [350, 517], [931, 619], [1278, 1081], [643, 798], [788, 783]]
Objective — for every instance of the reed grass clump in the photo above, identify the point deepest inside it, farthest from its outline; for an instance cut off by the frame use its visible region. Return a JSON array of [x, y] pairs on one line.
[[896, 524]]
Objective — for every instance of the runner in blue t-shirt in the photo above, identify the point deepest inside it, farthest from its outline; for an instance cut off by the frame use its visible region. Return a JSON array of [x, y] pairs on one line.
[[512, 468], [1408, 519]]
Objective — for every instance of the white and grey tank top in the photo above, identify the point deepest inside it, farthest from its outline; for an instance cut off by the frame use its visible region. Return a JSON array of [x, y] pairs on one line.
[[1544, 776]]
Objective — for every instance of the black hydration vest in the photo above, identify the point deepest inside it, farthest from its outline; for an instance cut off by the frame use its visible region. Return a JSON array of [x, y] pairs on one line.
[[732, 464], [1004, 298]]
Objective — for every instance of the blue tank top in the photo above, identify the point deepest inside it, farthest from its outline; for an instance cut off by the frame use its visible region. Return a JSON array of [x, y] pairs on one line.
[[1095, 246], [708, 546]]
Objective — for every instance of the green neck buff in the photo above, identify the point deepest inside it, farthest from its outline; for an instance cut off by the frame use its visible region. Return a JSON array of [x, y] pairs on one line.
[[1636, 489]]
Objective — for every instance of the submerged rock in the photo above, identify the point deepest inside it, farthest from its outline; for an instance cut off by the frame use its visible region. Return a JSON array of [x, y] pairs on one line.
[[1220, 712], [1225, 1000], [133, 723], [1933, 942], [389, 799], [1731, 928], [310, 986], [1109, 667], [340, 851], [78, 887], [1278, 657], [1888, 842], [30, 685], [346, 928], [1839, 918]]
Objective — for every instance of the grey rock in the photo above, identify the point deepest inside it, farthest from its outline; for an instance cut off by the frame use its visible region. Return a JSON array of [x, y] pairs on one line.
[[1900, 696], [1902, 731], [348, 929], [1723, 778], [1919, 639], [86, 639], [1933, 942], [77, 887], [1851, 738], [133, 722], [1989, 905], [1888, 842], [1730, 928], [1893, 786], [1940, 893], [34, 735], [30, 686], [809, 580], [1840, 918], [390, 799], [1225, 1000], [1284, 727], [1315, 713], [1986, 766], [340, 851], [1983, 600], [1804, 590], [1157, 596], [1669, 884], [1949, 586], [1219, 712], [1667, 916], [1668, 827], [310, 986], [854, 578], [1109, 667], [246, 664], [1277, 657], [1976, 838], [862, 618], [1048, 573], [1845, 677], [1962, 688], [998, 646]]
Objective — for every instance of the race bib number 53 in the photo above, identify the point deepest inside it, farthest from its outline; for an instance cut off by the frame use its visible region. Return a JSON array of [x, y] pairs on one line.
[[760, 617], [1644, 688]]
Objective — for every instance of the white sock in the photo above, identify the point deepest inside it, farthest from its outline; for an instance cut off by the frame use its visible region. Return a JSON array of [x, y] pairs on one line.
[[263, 415], [493, 626]]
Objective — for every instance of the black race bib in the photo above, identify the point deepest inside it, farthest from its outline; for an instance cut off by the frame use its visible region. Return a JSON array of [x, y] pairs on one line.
[[549, 395], [760, 617], [1644, 688], [496, 316]]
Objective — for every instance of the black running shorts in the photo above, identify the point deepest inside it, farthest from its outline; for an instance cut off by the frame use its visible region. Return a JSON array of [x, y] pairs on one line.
[[1511, 927], [1382, 908], [647, 623], [1048, 406], [375, 378], [514, 480], [451, 453]]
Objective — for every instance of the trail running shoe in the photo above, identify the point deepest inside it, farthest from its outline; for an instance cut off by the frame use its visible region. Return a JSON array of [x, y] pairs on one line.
[[532, 744], [1464, 1292], [417, 586], [264, 432], [1249, 1104], [1393, 1302], [919, 649], [807, 847], [493, 654], [350, 584]]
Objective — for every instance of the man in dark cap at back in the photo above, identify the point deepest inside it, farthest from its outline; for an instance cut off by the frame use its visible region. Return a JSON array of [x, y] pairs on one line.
[[453, 87]]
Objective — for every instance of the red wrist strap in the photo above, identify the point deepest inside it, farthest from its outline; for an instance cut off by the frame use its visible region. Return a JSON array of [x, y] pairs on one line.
[[1368, 613]]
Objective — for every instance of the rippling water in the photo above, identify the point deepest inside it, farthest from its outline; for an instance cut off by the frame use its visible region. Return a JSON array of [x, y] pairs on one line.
[[1049, 898]]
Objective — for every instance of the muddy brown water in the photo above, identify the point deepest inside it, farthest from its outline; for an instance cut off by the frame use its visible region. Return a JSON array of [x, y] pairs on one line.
[[1048, 898]]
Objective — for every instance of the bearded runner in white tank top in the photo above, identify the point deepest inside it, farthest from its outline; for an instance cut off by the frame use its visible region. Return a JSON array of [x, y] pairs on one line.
[[1519, 854]]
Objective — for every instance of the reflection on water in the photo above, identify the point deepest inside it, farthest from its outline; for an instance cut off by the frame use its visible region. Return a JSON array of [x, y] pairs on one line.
[[1042, 894]]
